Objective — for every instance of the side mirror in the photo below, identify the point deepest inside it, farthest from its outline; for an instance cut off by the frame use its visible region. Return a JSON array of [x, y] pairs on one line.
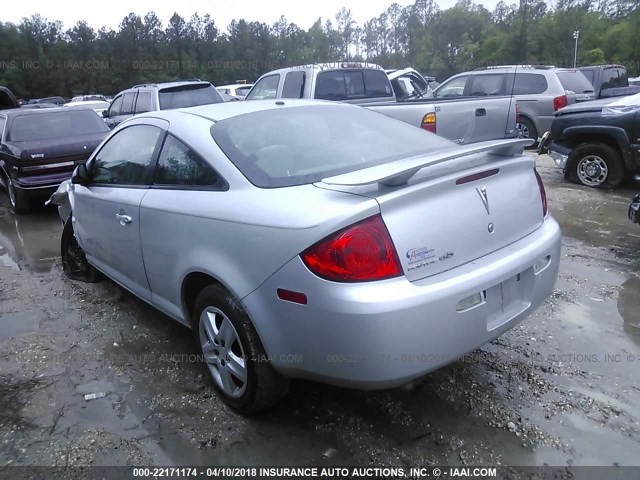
[[105, 113], [81, 175]]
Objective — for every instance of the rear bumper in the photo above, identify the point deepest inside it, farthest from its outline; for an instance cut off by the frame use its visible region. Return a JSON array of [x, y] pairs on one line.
[[41, 184], [384, 334]]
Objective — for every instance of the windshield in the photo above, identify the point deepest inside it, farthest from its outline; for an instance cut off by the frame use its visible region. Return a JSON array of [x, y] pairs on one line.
[[45, 125], [574, 81], [188, 96], [299, 145]]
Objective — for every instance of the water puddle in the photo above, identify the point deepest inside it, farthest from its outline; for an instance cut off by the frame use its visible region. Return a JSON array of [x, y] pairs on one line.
[[30, 242]]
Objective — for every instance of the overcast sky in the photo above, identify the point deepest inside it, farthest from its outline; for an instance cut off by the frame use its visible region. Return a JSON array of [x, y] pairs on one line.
[[111, 12]]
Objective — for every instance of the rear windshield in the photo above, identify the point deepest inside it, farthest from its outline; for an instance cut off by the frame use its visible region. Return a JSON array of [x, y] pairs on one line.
[[574, 81], [352, 84], [299, 145], [46, 124], [188, 96]]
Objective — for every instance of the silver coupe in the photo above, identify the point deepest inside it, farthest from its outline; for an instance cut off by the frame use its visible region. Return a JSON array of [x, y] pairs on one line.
[[308, 239]]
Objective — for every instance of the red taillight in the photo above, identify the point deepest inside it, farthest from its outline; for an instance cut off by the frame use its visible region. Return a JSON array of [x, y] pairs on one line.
[[560, 102], [543, 194], [362, 252]]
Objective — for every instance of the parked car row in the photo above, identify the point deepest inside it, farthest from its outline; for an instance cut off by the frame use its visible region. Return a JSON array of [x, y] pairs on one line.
[[462, 120]]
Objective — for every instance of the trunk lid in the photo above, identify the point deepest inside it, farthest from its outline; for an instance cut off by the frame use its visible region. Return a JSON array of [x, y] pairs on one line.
[[456, 211], [55, 155]]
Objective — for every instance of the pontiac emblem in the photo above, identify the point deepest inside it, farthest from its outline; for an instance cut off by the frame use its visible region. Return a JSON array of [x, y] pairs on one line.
[[483, 196]]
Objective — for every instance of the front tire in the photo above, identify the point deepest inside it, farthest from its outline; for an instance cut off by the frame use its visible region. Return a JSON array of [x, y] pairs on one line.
[[595, 165], [233, 354], [18, 200], [74, 261]]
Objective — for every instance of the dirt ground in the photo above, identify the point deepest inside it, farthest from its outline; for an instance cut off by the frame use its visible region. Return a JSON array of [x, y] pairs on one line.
[[563, 388]]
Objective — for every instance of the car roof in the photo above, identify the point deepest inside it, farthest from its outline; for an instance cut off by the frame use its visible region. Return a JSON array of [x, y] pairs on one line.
[[16, 112], [164, 85], [220, 111], [236, 85], [327, 66]]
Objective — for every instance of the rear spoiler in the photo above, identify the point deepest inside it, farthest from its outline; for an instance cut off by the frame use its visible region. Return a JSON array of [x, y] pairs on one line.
[[399, 172]]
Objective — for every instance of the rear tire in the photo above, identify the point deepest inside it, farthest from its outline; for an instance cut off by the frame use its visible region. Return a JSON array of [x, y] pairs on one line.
[[526, 129], [595, 165], [233, 354], [74, 261]]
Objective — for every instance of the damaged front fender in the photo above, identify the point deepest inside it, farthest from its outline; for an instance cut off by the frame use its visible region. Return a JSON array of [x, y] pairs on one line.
[[63, 197]]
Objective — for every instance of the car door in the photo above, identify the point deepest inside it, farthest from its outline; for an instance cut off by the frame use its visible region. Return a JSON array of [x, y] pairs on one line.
[[169, 229], [107, 209]]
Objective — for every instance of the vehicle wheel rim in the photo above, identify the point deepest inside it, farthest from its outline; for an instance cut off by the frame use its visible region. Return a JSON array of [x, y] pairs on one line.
[[592, 170], [223, 352], [12, 193], [74, 260], [523, 130]]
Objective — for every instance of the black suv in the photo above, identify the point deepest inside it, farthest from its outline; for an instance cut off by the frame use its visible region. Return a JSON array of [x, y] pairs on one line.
[[150, 97]]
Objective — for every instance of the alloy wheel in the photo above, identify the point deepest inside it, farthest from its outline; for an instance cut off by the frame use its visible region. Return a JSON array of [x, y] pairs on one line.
[[223, 352], [592, 170]]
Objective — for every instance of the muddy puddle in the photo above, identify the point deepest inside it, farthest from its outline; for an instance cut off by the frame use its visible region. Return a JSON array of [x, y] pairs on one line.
[[29, 242]]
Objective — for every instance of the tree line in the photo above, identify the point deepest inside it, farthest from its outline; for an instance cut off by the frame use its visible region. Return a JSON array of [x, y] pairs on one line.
[[38, 57]]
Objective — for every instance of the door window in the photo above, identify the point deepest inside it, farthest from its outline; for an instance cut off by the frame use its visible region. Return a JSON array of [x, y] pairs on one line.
[[265, 88], [116, 107], [125, 158], [143, 103], [293, 85], [127, 103], [453, 88], [487, 85]]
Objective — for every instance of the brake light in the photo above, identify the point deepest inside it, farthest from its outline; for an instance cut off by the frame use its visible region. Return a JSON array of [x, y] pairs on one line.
[[560, 102], [543, 194], [429, 122], [362, 252]]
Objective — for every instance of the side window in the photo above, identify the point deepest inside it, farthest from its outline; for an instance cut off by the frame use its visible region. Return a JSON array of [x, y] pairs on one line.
[[125, 158], [611, 78], [293, 85], [265, 88], [453, 88], [179, 165], [487, 85], [143, 103], [127, 103], [331, 85], [116, 107], [526, 84]]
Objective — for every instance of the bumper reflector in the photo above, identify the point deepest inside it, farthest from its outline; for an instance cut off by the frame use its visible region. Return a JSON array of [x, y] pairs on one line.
[[291, 296], [469, 302]]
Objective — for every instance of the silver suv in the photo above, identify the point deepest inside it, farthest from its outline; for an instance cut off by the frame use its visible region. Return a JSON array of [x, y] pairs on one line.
[[540, 91], [150, 97]]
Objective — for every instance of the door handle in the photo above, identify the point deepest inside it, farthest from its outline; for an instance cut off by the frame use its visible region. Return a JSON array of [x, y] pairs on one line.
[[481, 112], [123, 219]]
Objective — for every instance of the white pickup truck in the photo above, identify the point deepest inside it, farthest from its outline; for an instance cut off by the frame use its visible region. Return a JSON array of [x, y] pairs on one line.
[[460, 120]]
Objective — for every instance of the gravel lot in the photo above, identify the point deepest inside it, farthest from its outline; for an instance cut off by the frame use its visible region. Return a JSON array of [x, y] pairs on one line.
[[561, 389]]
